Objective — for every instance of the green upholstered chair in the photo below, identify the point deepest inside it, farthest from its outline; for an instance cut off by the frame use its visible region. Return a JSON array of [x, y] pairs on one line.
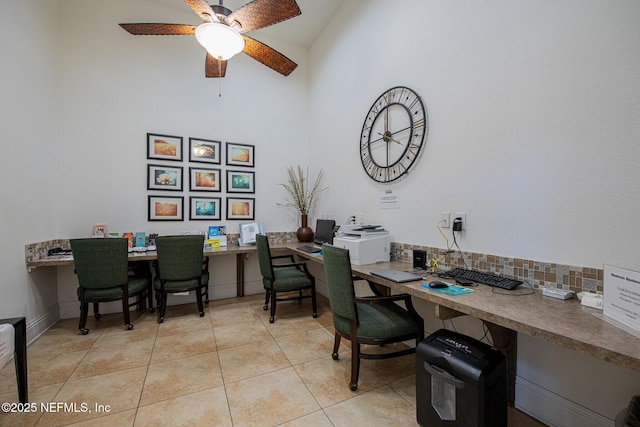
[[376, 320], [283, 277], [180, 267], [102, 267]]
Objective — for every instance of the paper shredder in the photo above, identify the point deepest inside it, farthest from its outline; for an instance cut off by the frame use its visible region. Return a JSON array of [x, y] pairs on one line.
[[460, 381]]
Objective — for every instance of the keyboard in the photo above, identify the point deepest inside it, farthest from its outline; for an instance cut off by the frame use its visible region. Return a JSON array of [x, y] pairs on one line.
[[485, 278], [309, 249]]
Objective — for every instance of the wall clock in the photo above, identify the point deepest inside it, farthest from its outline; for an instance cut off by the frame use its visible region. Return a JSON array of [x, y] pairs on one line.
[[393, 134]]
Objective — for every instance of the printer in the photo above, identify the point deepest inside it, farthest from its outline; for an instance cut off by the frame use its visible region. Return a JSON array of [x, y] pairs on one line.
[[367, 244]]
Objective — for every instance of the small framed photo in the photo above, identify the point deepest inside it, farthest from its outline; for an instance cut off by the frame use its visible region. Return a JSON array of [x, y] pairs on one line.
[[240, 154], [203, 179], [160, 177], [240, 208], [204, 208], [240, 182], [165, 208], [204, 151], [164, 147]]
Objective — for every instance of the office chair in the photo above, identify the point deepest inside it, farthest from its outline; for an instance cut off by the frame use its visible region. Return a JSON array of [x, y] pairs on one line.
[[376, 320], [290, 277], [103, 275], [180, 267]]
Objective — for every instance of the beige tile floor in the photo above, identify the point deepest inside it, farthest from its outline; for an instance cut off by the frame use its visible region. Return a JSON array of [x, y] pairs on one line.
[[228, 368]]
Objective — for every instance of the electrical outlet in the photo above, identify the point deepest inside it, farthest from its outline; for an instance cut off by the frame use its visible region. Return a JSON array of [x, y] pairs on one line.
[[463, 218], [445, 220]]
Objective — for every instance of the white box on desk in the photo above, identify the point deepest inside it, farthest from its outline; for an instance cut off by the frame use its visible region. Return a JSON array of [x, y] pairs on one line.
[[365, 250]]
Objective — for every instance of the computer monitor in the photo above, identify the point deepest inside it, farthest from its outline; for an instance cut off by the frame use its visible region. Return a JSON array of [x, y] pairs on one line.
[[324, 231]]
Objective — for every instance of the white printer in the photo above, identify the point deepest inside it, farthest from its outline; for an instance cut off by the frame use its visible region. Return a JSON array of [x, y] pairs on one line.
[[367, 244]]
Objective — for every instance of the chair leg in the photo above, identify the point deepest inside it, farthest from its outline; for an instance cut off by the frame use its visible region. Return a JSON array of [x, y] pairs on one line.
[[355, 365], [336, 346], [206, 294], [125, 313], [20, 359], [84, 308], [162, 306], [150, 299], [199, 301], [314, 304], [272, 317], [266, 300], [96, 310]]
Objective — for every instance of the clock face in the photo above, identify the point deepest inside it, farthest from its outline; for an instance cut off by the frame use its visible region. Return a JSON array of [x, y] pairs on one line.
[[393, 134]]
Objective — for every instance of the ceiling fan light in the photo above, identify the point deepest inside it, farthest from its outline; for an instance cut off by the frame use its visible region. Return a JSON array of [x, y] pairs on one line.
[[221, 41]]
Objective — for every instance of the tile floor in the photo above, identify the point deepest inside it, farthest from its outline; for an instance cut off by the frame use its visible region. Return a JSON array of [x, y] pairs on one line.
[[228, 368]]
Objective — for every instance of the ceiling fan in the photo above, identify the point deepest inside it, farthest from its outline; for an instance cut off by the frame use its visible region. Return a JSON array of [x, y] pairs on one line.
[[223, 32]]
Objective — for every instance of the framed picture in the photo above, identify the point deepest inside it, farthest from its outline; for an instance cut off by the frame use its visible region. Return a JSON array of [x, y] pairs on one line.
[[164, 147], [240, 181], [165, 208], [160, 177], [240, 208], [204, 151], [240, 154], [204, 208], [202, 179]]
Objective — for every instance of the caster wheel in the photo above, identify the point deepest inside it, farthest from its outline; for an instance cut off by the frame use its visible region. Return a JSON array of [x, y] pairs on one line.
[[201, 314], [265, 307], [271, 320], [84, 331], [353, 387], [334, 356], [160, 319], [97, 315], [315, 315], [151, 310], [129, 327]]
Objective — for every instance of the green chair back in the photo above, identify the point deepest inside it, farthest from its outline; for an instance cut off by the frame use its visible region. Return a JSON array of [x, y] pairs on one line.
[[100, 263], [337, 270], [180, 257], [264, 257]]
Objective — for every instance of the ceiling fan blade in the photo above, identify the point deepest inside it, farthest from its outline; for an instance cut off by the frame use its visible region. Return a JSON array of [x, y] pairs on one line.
[[202, 8], [268, 56], [214, 68], [262, 13], [159, 29]]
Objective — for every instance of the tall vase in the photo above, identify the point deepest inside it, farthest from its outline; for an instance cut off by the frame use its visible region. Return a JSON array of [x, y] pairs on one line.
[[304, 233]]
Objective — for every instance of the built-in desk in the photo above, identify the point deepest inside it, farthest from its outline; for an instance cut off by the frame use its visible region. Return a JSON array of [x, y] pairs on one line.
[[239, 251], [563, 322]]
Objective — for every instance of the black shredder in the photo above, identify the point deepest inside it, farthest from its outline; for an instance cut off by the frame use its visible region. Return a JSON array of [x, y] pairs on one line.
[[460, 381]]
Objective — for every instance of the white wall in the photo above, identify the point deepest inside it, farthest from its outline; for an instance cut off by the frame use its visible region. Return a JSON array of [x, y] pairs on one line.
[[29, 153], [534, 123], [534, 131]]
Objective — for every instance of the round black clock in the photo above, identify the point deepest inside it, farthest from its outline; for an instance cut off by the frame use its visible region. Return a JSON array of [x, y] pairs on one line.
[[393, 134]]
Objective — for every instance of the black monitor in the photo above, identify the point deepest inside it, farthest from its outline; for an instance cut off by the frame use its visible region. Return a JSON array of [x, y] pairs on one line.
[[324, 231]]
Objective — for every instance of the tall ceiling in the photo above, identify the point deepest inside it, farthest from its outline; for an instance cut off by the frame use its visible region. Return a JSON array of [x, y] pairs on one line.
[[301, 30]]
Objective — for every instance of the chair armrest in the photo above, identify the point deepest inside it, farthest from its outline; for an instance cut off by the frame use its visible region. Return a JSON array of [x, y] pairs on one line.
[[290, 264], [380, 299], [283, 256]]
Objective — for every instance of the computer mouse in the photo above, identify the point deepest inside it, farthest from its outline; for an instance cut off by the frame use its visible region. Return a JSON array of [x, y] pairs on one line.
[[437, 285]]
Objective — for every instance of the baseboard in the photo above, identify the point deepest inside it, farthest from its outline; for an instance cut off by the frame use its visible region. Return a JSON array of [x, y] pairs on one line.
[[555, 410], [42, 323]]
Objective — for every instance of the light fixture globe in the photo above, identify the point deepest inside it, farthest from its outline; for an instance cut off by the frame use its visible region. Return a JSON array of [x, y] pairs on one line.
[[221, 41]]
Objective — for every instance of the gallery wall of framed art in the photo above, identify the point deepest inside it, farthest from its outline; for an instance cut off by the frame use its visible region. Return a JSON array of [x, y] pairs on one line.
[[217, 180]]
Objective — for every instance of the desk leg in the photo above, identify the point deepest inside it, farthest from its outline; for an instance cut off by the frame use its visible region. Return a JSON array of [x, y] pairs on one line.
[[507, 341], [240, 275]]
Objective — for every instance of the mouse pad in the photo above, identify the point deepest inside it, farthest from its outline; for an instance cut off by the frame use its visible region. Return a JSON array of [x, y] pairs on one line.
[[451, 290]]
